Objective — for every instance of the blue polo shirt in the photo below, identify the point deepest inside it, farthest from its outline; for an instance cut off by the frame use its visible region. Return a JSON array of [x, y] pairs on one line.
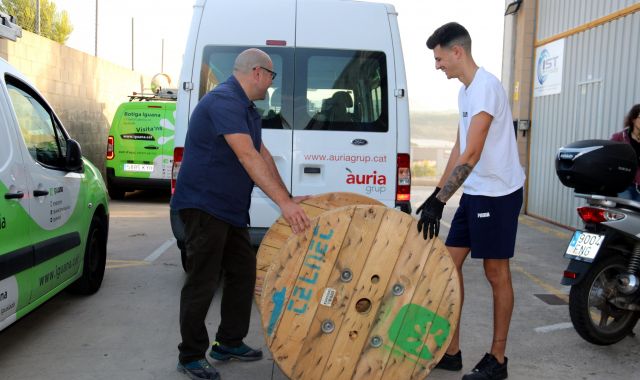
[[211, 177]]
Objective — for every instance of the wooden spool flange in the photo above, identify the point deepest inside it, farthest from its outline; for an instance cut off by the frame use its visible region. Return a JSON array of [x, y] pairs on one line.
[[360, 295], [280, 230]]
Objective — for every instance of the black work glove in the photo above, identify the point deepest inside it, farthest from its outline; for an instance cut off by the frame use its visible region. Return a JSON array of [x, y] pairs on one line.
[[429, 223], [431, 198]]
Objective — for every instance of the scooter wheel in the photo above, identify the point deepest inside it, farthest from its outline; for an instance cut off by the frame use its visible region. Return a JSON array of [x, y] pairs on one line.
[[593, 315]]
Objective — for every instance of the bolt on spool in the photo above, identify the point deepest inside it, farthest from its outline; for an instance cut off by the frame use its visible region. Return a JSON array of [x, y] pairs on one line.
[[376, 341], [346, 275], [398, 289], [327, 326]]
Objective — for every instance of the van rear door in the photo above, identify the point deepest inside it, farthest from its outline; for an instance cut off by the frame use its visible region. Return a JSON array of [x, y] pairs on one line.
[[138, 137], [214, 53], [166, 141], [345, 130]]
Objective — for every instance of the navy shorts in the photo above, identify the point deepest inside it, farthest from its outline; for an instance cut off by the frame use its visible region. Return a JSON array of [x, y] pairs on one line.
[[487, 225]]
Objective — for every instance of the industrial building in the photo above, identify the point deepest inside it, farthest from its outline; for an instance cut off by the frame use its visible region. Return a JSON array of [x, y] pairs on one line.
[[571, 70]]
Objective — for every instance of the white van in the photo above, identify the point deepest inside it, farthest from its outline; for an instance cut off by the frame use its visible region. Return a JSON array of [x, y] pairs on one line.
[[336, 117]]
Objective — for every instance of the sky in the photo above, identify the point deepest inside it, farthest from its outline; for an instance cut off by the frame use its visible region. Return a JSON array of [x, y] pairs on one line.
[[156, 21]]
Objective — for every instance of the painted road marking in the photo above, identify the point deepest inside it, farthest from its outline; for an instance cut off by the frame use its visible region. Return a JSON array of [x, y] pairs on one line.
[[549, 288], [113, 264], [160, 250], [556, 327], [537, 225]]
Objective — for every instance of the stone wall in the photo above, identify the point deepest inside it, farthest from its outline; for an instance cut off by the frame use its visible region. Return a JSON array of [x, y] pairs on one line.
[[83, 90]]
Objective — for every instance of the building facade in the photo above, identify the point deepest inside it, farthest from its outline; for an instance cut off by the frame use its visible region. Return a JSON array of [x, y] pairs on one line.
[[571, 68]]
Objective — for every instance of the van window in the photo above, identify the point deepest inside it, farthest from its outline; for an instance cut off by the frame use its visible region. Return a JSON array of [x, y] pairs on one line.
[[333, 90], [217, 66], [42, 134], [342, 90]]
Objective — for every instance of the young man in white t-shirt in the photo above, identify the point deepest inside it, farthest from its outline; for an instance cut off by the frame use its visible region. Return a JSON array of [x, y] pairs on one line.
[[485, 162]]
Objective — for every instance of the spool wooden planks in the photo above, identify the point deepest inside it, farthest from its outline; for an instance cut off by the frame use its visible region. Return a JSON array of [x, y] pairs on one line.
[[360, 295], [280, 231]]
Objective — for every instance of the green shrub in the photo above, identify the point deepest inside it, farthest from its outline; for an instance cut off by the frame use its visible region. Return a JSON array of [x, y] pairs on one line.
[[423, 168]]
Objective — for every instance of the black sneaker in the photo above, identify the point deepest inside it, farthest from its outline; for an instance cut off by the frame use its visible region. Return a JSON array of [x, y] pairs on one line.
[[451, 362], [242, 352], [488, 369], [199, 370]]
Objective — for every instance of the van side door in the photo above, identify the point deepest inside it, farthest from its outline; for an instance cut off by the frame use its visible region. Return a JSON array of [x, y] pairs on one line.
[[16, 248], [53, 191]]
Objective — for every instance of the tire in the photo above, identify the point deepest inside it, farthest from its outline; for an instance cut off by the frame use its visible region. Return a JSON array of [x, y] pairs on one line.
[[115, 192], [95, 259], [596, 319]]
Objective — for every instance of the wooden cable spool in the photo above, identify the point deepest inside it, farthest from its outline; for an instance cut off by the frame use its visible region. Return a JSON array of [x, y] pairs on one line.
[[280, 230], [360, 295]]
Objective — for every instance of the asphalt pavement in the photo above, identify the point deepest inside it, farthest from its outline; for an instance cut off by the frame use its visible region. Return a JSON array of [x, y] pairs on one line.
[[129, 329]]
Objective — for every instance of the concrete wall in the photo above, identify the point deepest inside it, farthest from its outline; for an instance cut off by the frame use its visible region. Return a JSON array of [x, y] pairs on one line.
[[83, 90], [517, 72]]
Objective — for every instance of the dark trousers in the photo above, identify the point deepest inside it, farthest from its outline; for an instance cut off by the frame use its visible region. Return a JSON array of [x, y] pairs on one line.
[[215, 248]]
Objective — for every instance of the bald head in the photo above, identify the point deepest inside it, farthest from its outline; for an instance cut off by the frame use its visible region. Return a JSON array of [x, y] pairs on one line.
[[250, 58], [253, 69]]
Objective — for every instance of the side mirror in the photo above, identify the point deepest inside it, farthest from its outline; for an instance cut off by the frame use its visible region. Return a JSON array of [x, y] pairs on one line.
[[74, 156]]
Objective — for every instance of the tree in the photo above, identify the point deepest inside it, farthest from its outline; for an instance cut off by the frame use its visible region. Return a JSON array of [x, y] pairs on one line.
[[53, 24]]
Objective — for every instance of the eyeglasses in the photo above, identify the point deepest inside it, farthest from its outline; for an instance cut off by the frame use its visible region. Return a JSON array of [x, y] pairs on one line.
[[273, 73]]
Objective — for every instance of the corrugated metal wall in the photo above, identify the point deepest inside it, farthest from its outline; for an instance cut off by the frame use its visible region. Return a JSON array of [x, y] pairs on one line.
[[601, 81], [557, 16]]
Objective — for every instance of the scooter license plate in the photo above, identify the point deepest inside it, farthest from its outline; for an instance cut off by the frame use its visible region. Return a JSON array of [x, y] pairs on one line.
[[584, 246]]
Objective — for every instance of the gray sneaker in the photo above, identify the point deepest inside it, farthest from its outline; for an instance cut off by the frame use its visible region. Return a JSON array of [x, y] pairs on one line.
[[199, 370]]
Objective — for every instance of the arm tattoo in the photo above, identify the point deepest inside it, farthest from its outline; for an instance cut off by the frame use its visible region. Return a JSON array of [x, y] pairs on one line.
[[455, 180]]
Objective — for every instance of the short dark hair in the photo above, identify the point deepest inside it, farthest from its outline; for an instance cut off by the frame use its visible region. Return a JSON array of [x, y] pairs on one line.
[[633, 114], [450, 34]]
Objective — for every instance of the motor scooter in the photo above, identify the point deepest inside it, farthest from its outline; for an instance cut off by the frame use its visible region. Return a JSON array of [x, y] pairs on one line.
[[604, 266]]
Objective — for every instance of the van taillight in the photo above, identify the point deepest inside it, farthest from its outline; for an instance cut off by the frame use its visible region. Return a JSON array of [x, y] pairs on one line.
[[110, 148], [598, 215], [177, 161], [403, 188], [276, 43]]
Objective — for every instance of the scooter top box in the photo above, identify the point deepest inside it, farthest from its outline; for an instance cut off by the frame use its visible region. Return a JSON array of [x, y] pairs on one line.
[[596, 166]]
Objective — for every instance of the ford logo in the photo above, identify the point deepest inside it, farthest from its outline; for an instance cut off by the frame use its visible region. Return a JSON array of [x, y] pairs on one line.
[[359, 142]]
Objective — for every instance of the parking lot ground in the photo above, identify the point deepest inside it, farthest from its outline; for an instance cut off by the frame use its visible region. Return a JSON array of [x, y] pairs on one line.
[[129, 329]]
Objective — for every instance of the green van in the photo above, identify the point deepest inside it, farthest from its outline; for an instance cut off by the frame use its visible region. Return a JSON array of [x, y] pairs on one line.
[[54, 212], [140, 144]]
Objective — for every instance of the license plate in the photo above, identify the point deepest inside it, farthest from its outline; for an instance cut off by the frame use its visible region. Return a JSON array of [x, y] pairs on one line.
[[138, 168], [584, 246]]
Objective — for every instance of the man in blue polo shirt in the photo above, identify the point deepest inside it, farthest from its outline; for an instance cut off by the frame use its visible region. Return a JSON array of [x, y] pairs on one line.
[[223, 157]]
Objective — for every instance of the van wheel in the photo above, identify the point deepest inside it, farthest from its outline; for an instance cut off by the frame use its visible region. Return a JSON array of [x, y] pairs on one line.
[[95, 258], [115, 193]]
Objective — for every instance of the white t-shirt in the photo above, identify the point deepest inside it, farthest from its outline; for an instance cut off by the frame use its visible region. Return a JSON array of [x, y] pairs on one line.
[[499, 171]]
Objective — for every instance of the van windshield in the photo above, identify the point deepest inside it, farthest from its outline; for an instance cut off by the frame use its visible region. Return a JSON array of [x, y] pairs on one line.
[[333, 90]]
